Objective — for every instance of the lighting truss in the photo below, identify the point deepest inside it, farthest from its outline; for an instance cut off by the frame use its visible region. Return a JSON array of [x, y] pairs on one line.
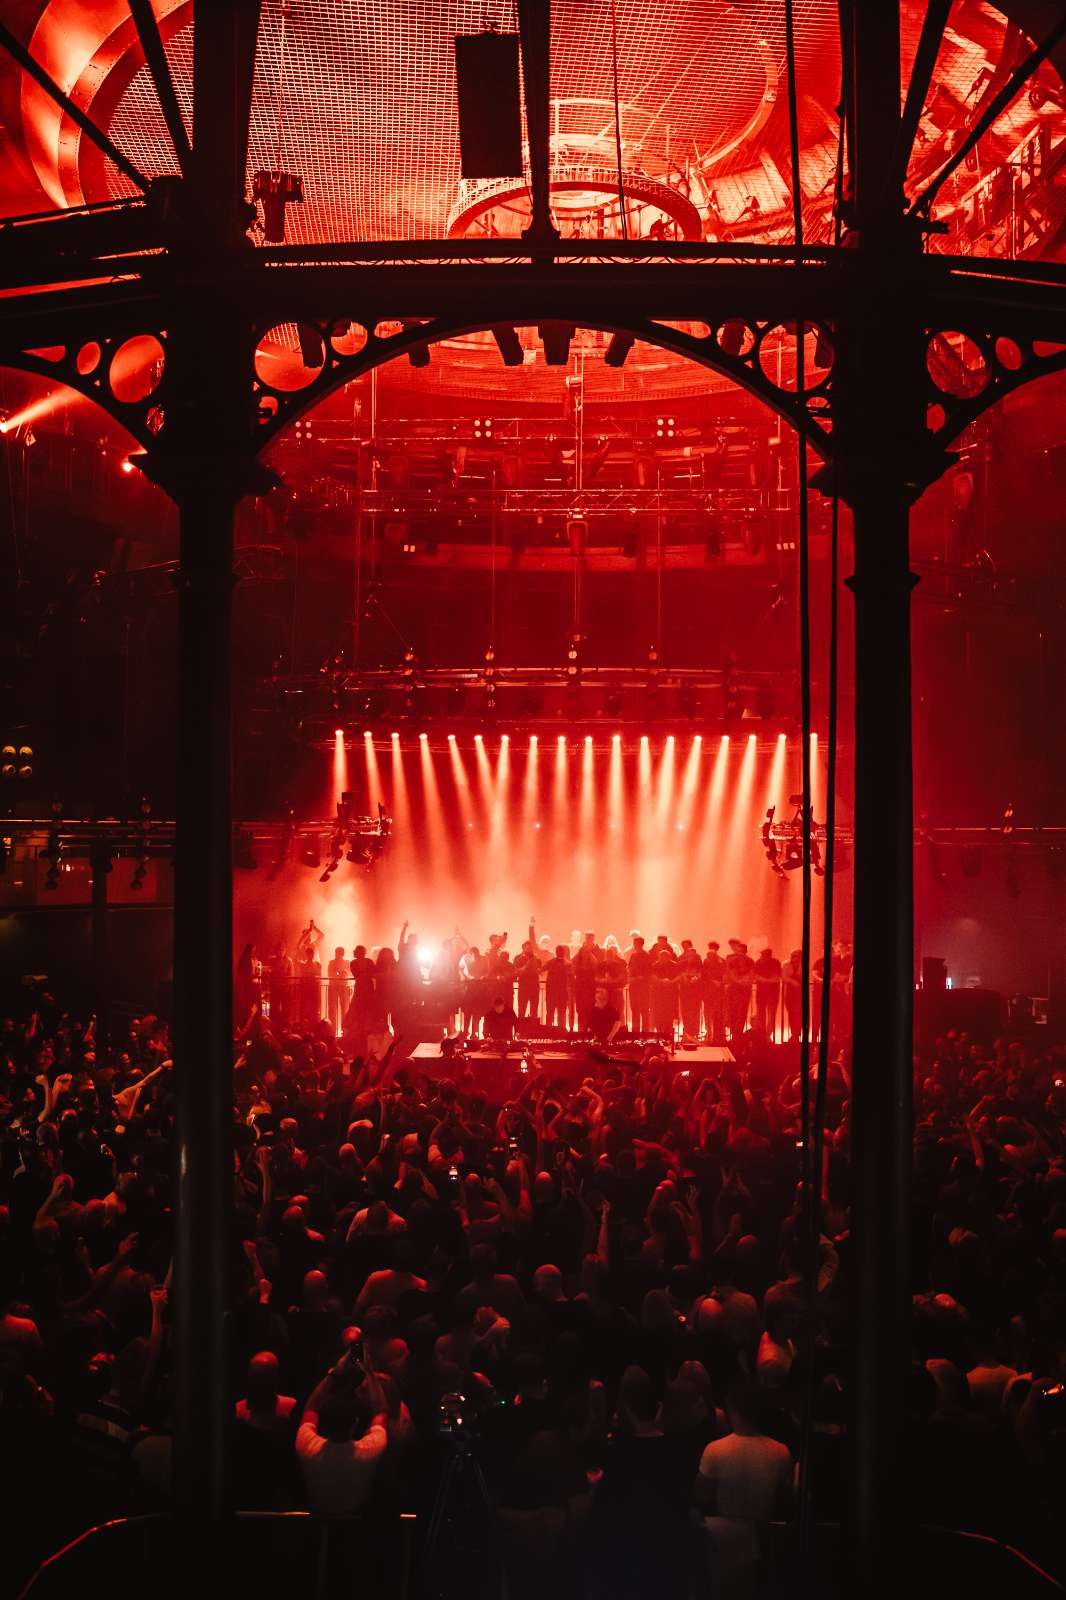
[[79, 839], [530, 695]]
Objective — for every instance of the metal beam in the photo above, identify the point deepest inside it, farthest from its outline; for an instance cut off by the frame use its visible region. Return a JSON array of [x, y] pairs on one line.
[[879, 389], [156, 57], [925, 56], [534, 25], [991, 114]]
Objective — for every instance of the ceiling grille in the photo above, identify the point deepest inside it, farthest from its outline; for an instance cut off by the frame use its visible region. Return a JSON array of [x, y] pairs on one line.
[[367, 95]]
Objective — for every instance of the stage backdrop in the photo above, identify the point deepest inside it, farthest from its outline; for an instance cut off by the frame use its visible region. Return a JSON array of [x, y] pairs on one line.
[[660, 834]]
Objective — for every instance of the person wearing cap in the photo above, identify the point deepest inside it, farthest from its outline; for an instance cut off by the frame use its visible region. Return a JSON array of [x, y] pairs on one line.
[[739, 976]]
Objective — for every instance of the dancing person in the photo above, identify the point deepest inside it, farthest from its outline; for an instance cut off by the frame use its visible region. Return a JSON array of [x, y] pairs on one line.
[[309, 972]]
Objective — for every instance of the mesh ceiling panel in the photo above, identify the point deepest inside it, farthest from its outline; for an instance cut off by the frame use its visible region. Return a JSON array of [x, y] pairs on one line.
[[366, 94]]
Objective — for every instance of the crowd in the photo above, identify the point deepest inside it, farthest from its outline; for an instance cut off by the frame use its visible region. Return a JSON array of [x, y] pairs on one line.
[[594, 1293], [668, 987]]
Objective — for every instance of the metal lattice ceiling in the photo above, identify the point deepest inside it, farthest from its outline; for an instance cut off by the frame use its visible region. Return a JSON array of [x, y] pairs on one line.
[[367, 95]]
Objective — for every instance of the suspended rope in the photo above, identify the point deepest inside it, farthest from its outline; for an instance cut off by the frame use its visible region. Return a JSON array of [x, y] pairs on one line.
[[618, 120], [279, 108], [817, 1121]]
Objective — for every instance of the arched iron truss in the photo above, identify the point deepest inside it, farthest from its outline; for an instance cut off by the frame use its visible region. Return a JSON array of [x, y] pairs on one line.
[[974, 358], [808, 413]]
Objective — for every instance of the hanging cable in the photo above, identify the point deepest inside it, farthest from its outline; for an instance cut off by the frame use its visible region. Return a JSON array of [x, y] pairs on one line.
[[280, 102], [618, 120], [804, 608], [807, 1171], [817, 1120]]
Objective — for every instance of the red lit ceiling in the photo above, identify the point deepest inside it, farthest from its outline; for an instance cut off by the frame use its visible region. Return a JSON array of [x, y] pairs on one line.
[[358, 97]]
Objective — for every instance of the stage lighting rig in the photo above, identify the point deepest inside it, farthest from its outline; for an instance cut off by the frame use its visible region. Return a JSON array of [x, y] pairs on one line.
[[783, 841]]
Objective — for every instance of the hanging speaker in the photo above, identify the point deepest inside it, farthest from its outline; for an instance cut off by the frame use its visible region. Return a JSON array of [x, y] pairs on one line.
[[490, 123]]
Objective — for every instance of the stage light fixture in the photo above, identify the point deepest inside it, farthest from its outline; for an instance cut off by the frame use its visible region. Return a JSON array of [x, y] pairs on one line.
[[510, 346], [482, 429], [275, 190], [8, 761], [6, 845], [617, 351], [556, 337], [310, 855], [664, 427], [573, 656]]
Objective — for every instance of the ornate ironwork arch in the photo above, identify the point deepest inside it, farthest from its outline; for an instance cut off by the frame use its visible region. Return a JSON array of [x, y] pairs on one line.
[[88, 367], [970, 369], [735, 348]]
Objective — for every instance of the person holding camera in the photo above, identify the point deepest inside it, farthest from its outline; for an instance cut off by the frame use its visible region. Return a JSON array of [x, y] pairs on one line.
[[342, 1437]]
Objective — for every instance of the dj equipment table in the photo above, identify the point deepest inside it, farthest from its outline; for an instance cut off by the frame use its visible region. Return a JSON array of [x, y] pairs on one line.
[[495, 1068]]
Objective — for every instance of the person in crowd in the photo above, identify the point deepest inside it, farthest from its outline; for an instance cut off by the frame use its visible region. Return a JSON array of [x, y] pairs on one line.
[[744, 1483], [501, 1019], [690, 989], [604, 1020], [586, 965], [474, 972], [604, 1263], [309, 972], [664, 989], [527, 975], [639, 966], [361, 1010], [342, 1438], [714, 993], [338, 990], [559, 988], [613, 974], [739, 976], [767, 992], [246, 982]]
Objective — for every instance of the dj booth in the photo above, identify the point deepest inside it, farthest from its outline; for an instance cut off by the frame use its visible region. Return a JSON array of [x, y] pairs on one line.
[[495, 1065]]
